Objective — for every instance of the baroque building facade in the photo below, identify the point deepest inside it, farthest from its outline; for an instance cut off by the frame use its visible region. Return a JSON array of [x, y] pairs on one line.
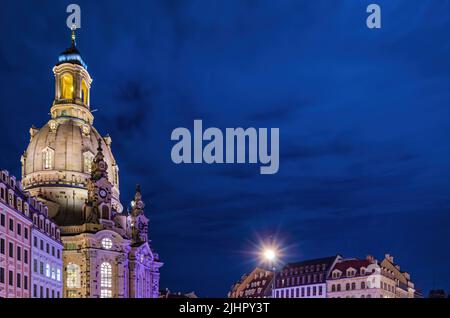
[[46, 255], [367, 278], [306, 279], [30, 245], [15, 232], [257, 284], [70, 167]]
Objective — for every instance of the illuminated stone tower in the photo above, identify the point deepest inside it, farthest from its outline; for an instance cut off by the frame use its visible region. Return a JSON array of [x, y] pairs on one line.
[[70, 166], [56, 165]]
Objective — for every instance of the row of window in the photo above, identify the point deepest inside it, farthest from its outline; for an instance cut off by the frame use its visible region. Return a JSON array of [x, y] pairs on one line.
[[54, 251], [11, 226], [348, 286], [19, 282], [300, 280], [49, 293], [40, 221], [388, 287], [46, 226], [362, 285], [18, 203], [67, 88], [300, 292], [350, 273], [11, 251], [50, 271], [304, 269]]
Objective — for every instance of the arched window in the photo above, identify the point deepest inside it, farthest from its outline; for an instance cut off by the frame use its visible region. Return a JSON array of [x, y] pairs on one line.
[[347, 286], [105, 280], [363, 285], [88, 158], [73, 276], [84, 92], [47, 158], [67, 86], [333, 288]]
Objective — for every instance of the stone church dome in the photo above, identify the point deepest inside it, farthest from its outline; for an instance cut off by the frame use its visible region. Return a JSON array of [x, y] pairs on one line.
[[57, 163]]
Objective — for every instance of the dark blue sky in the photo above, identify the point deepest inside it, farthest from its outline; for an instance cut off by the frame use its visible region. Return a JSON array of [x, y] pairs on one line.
[[363, 117]]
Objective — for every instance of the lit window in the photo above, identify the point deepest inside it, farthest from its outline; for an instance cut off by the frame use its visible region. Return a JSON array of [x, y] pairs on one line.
[[107, 243], [73, 276], [67, 86], [47, 270], [105, 280], [47, 159], [53, 273], [87, 164], [71, 294], [106, 275], [84, 92], [105, 293], [58, 275]]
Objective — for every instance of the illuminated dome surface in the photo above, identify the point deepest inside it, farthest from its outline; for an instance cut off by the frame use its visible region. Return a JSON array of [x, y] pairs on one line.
[[63, 181]]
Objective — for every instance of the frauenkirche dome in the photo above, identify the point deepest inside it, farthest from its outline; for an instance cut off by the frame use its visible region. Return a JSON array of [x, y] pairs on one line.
[[56, 165]]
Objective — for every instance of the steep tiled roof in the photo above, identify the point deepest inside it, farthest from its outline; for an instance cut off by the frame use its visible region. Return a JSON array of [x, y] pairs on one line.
[[318, 261]]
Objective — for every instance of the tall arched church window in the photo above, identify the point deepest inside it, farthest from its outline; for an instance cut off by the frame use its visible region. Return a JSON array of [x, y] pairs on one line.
[[67, 86], [47, 158], [84, 92], [88, 158], [105, 280], [73, 276]]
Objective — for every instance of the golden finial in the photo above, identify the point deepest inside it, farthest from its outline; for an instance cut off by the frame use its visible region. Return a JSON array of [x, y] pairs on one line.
[[74, 27]]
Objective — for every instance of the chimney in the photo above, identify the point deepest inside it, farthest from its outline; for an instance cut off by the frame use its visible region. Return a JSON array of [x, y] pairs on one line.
[[370, 258], [389, 257]]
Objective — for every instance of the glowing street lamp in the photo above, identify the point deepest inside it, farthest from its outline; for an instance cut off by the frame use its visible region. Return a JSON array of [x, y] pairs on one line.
[[270, 255]]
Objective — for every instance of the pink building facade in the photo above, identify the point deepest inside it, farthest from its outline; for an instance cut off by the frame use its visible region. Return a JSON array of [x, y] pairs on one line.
[[15, 238], [46, 253]]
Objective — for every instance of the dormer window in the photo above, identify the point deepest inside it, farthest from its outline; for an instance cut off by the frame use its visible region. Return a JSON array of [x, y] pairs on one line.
[[47, 158]]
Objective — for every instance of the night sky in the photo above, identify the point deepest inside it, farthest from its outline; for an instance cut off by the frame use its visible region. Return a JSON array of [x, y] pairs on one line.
[[364, 118]]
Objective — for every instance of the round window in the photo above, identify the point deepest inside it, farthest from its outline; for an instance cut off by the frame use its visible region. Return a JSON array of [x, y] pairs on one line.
[[107, 243]]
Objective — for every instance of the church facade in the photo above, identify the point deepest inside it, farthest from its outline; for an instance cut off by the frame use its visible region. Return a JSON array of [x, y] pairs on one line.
[[70, 167]]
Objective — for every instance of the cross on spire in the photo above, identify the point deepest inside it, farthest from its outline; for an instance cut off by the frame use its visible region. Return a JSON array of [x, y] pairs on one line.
[[74, 28]]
